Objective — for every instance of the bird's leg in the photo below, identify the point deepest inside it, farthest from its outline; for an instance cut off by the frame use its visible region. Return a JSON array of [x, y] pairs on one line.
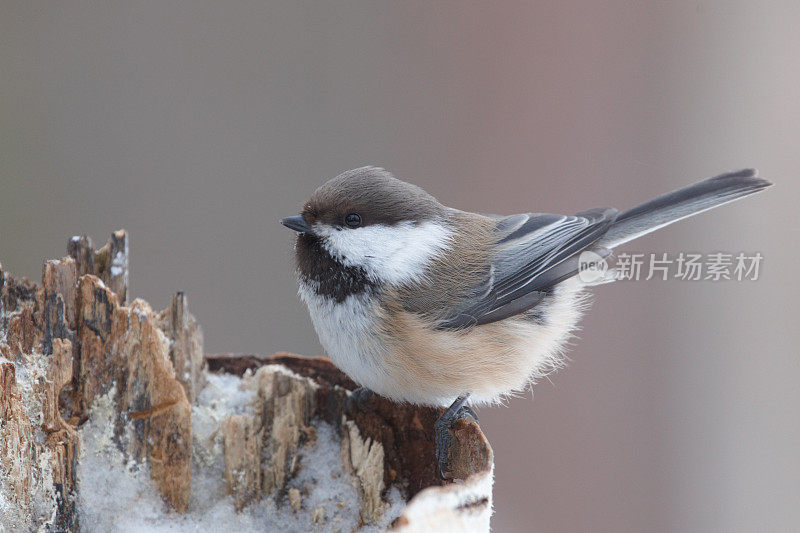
[[443, 430], [359, 396]]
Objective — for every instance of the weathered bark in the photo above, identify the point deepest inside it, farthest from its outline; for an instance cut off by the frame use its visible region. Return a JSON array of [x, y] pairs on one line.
[[185, 344], [16, 437], [383, 444], [35, 442], [75, 342], [72, 347]]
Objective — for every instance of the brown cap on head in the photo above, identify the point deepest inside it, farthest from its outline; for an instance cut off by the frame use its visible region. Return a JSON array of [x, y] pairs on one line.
[[375, 195]]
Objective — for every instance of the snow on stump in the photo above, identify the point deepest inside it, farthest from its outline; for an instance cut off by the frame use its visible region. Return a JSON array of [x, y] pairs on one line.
[[112, 418]]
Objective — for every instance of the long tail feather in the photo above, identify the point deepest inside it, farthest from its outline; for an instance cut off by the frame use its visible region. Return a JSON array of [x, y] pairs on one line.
[[682, 203]]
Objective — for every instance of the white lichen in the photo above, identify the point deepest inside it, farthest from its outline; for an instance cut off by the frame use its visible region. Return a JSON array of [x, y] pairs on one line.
[[30, 372], [119, 264]]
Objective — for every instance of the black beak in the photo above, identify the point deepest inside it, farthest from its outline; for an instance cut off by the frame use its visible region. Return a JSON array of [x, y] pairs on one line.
[[296, 223]]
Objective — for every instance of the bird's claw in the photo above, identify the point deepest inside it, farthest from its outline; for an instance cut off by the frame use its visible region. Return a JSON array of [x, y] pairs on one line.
[[443, 433]]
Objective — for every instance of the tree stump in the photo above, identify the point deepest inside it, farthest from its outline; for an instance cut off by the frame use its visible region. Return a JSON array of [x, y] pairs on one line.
[[112, 417]]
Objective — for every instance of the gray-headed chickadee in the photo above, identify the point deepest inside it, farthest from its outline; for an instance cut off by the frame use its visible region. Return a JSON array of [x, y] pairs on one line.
[[426, 304]]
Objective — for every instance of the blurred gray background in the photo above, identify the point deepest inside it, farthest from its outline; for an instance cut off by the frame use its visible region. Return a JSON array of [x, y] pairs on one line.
[[197, 125]]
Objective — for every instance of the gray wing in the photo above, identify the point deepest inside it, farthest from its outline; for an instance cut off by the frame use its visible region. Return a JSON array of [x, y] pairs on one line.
[[533, 252]]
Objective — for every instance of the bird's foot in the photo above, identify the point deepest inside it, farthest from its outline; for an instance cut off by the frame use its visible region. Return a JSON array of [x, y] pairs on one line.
[[443, 431], [359, 397]]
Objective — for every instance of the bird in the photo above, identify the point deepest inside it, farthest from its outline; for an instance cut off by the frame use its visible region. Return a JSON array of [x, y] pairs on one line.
[[431, 305]]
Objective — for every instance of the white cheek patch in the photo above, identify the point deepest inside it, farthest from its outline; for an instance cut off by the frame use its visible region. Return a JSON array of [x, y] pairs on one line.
[[392, 254]]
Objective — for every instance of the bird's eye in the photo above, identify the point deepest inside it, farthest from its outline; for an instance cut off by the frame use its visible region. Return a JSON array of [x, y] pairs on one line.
[[353, 220]]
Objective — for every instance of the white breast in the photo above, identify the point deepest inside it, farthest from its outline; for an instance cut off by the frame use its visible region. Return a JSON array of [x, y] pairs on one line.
[[345, 332]]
